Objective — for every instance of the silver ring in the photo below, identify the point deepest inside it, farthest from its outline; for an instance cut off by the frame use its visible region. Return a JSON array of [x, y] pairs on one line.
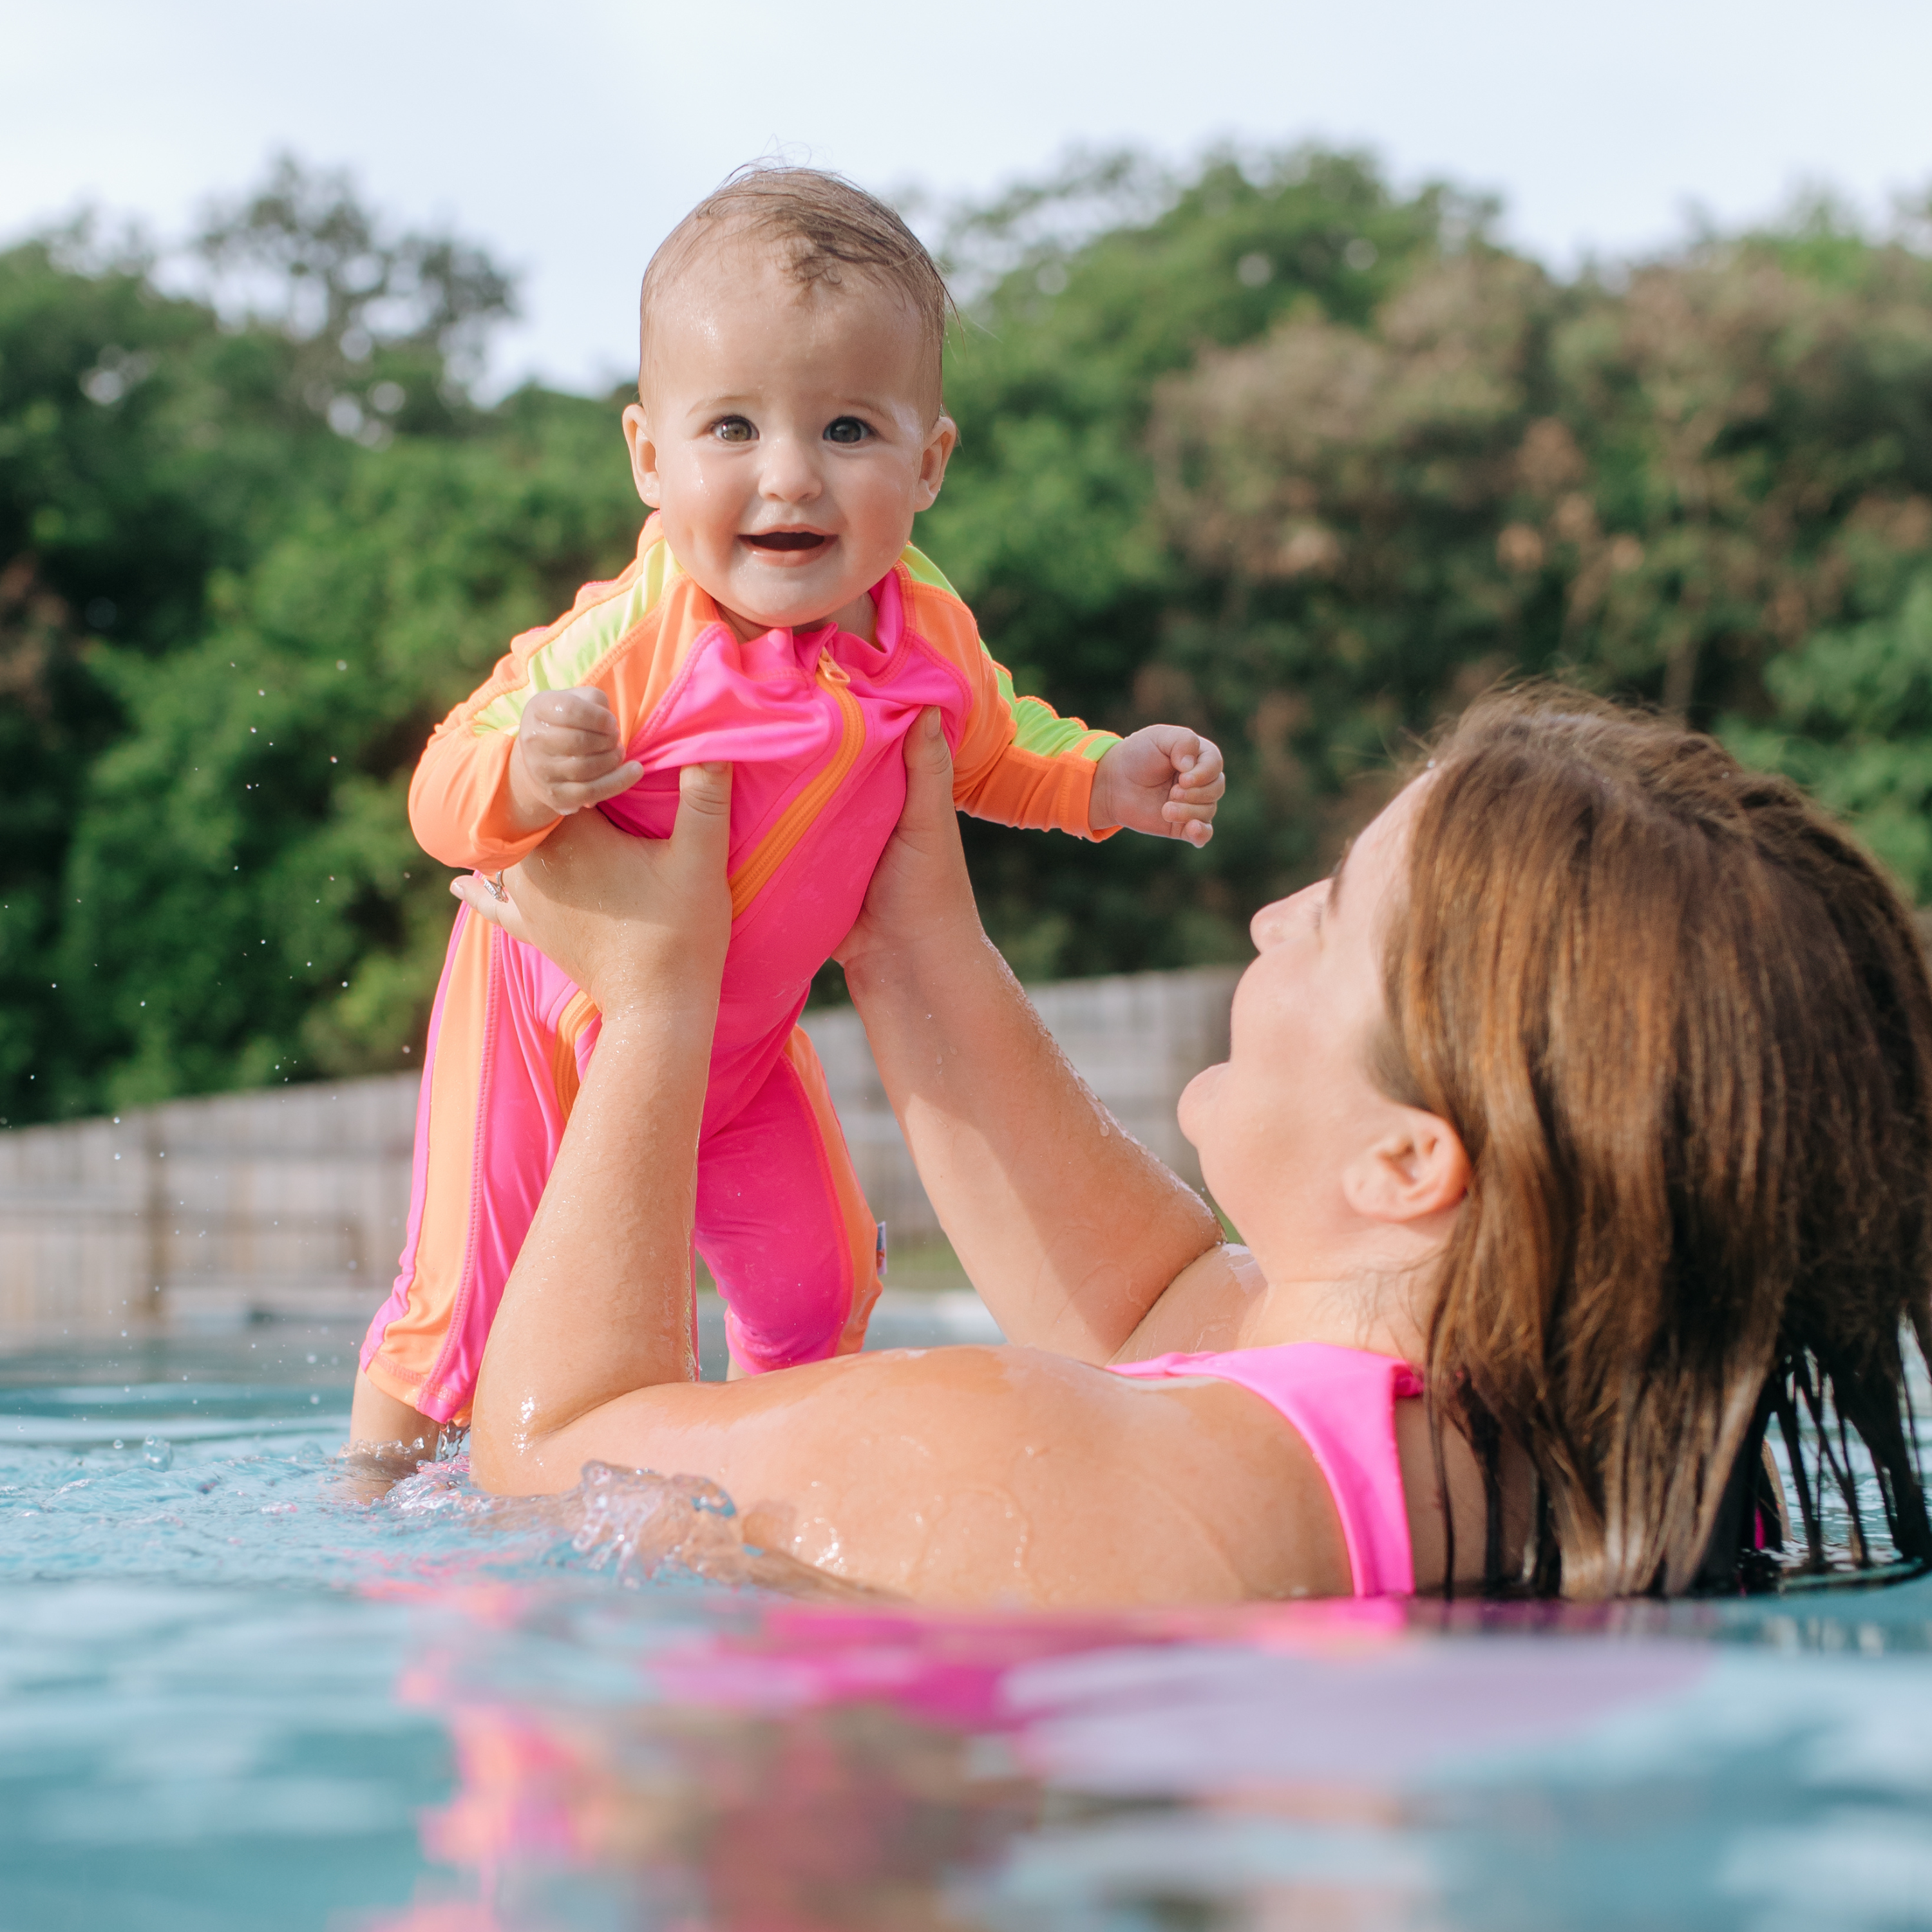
[[495, 887]]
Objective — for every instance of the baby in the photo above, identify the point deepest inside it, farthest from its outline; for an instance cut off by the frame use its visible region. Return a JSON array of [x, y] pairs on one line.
[[787, 428]]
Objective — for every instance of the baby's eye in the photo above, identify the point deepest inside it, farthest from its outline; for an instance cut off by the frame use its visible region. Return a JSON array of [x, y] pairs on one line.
[[733, 429], [846, 429]]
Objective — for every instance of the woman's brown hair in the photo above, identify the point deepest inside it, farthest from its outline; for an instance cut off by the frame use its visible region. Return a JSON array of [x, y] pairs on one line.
[[1683, 1026]]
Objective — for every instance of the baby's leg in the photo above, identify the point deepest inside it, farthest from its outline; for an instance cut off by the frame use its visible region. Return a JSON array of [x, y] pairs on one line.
[[783, 1224], [499, 1073]]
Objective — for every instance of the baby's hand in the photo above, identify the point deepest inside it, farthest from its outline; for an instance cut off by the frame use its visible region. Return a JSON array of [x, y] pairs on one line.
[[568, 755], [1164, 779]]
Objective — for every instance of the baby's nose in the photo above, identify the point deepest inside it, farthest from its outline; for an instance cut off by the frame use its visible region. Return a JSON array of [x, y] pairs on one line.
[[789, 474]]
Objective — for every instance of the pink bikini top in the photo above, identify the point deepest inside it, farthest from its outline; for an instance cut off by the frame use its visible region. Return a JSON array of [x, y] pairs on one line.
[[1341, 1403]]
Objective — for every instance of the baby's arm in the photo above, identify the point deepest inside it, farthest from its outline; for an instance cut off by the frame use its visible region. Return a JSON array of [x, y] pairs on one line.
[[1020, 763], [1017, 762], [1164, 779], [528, 746]]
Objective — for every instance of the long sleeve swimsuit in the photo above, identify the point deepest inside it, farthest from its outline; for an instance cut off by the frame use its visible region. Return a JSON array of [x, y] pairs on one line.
[[812, 722]]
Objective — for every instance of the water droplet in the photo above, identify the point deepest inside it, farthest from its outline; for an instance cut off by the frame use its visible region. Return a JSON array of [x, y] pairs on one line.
[[157, 1453]]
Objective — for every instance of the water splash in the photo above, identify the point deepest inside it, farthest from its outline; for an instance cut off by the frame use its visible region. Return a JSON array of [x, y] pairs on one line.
[[640, 1527]]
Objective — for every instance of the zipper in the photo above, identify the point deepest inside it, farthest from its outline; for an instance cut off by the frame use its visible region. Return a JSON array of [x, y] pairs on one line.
[[778, 844]]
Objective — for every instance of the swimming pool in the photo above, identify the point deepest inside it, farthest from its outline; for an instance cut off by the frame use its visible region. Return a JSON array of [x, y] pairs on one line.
[[239, 1694]]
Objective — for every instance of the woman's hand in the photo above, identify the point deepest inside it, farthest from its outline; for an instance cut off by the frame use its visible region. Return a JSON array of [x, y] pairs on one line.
[[920, 893], [634, 922]]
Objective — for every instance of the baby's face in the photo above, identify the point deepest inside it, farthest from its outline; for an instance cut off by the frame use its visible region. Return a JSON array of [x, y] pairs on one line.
[[786, 437]]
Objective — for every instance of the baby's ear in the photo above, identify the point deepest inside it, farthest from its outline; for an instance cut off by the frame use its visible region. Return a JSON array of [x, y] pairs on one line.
[[941, 440], [644, 453]]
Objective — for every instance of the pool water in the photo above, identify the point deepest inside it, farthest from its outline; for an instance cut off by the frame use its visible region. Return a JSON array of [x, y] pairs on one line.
[[241, 1687]]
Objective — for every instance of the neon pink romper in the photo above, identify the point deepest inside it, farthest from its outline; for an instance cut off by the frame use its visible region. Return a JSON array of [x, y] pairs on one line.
[[813, 722], [1341, 1403]]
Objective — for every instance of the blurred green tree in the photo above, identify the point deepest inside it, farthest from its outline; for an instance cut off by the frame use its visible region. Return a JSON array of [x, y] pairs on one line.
[[1661, 487], [251, 547], [248, 903], [1851, 720], [1081, 293], [1265, 447], [142, 448]]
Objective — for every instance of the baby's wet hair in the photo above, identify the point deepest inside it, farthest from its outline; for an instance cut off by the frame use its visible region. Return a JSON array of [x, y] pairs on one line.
[[829, 230]]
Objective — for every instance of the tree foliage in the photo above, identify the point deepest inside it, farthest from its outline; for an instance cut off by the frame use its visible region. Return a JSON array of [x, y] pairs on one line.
[[1267, 448], [252, 546], [1048, 523], [1673, 487]]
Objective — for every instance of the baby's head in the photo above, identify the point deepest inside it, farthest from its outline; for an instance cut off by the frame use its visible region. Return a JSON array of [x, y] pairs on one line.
[[789, 423]]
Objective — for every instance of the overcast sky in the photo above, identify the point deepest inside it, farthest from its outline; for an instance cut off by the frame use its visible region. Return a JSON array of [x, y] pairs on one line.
[[568, 135]]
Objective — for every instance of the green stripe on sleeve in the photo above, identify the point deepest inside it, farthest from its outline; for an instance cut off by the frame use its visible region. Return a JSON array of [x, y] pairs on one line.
[[1041, 729], [570, 656], [924, 570], [1038, 728]]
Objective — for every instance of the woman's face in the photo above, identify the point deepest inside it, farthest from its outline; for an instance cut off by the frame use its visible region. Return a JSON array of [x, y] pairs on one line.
[[1280, 1121]]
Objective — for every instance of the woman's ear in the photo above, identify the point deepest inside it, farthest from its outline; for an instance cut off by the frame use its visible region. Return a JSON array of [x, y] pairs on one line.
[[644, 453], [1416, 1167]]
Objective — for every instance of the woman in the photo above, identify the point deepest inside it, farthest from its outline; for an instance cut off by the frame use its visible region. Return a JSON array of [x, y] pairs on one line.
[[1597, 1084]]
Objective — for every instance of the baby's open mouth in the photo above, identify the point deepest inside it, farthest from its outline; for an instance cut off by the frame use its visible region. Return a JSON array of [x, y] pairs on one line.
[[787, 540]]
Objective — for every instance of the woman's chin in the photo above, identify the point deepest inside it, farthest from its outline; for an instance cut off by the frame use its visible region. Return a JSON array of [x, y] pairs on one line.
[[1196, 1098]]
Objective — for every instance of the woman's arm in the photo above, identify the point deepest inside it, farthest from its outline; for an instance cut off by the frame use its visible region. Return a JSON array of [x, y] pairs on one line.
[[599, 1304], [969, 1475], [1070, 1229]]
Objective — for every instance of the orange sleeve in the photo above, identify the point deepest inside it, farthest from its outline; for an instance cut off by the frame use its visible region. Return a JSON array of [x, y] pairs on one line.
[[1017, 761], [626, 637], [460, 797]]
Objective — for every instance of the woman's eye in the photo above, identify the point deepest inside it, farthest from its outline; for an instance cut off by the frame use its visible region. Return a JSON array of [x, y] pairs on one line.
[[733, 429], [846, 429]]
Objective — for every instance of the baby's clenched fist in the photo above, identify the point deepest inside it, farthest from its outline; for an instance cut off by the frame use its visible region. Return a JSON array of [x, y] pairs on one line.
[[568, 755], [1164, 779]]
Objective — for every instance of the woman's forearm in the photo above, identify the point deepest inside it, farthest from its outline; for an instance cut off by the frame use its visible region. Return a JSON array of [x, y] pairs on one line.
[[1069, 1227], [599, 1302]]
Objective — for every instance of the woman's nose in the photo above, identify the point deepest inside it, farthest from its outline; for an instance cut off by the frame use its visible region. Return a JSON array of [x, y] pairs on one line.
[[1273, 923], [1267, 926]]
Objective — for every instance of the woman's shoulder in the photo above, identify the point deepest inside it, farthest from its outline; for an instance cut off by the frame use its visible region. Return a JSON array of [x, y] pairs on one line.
[[1025, 1473], [1218, 1301], [1182, 1490]]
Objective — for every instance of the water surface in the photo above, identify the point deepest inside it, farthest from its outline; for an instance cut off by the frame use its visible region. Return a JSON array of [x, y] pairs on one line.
[[235, 1692]]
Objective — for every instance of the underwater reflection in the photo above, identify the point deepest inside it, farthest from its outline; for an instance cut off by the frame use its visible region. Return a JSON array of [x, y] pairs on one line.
[[802, 1769], [853, 1817]]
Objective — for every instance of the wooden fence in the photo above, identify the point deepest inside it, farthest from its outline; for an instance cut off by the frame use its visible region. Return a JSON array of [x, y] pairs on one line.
[[290, 1204]]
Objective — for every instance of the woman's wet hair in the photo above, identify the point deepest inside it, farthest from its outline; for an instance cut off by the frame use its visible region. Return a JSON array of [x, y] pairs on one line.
[[1683, 1025]]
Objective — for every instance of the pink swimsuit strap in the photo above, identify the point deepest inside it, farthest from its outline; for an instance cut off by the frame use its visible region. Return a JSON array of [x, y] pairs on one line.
[[1341, 1403]]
